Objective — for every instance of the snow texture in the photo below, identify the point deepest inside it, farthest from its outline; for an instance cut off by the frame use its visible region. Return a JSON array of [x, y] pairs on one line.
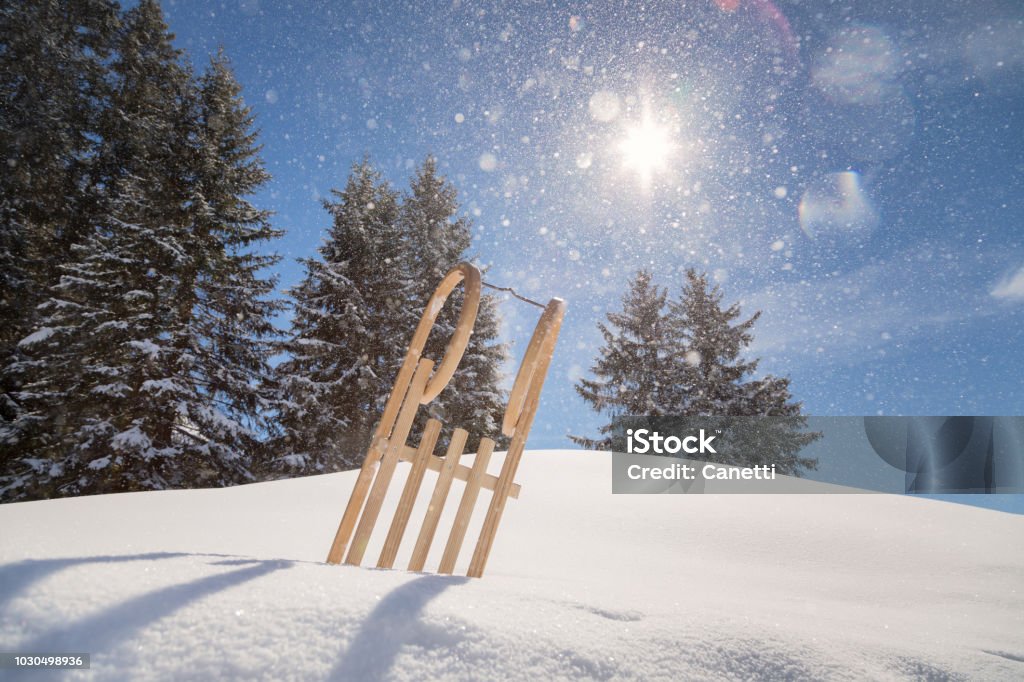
[[37, 336], [230, 583]]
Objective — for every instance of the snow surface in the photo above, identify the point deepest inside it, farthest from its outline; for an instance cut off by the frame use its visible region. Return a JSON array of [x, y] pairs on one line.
[[230, 583]]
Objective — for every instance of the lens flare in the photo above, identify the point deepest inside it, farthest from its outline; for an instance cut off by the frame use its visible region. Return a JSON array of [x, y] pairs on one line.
[[837, 206], [767, 12]]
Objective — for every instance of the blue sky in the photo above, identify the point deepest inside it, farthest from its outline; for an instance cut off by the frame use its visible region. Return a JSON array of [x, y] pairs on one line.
[[852, 169]]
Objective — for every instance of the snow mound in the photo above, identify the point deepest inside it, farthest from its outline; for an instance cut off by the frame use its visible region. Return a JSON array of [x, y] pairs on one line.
[[230, 583]]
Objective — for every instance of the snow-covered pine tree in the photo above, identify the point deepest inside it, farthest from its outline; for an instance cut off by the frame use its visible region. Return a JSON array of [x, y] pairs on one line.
[[684, 358], [348, 335], [51, 77], [635, 368], [436, 238], [16, 313], [146, 127], [139, 172], [102, 395], [714, 379], [710, 341], [224, 308], [145, 368]]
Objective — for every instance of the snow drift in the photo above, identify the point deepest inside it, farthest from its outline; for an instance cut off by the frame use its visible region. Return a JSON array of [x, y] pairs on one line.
[[214, 584]]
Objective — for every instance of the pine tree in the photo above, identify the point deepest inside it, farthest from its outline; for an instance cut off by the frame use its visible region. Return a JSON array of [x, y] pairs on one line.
[[436, 239], [51, 79], [100, 388], [635, 369], [146, 366], [224, 304], [714, 376], [348, 332], [710, 342], [716, 381], [146, 127], [16, 313], [52, 76], [138, 170], [684, 358]]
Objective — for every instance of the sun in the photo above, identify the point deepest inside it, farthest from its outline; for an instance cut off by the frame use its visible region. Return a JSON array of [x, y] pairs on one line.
[[646, 149]]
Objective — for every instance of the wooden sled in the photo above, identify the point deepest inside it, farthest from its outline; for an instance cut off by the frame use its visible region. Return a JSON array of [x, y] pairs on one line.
[[418, 383]]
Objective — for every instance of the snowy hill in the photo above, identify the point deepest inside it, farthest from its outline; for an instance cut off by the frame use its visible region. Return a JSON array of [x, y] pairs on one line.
[[214, 584]]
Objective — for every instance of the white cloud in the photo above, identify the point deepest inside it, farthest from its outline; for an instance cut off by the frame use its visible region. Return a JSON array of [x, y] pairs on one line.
[[1011, 287], [868, 311], [839, 316]]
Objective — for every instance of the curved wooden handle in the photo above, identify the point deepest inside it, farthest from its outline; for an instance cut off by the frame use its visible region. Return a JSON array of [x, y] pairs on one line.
[[470, 276], [542, 345]]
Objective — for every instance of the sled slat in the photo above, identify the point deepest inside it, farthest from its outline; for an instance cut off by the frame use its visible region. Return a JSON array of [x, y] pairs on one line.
[[437, 500], [462, 517], [369, 467], [549, 328], [488, 482], [355, 503], [388, 462], [497, 506], [409, 492]]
